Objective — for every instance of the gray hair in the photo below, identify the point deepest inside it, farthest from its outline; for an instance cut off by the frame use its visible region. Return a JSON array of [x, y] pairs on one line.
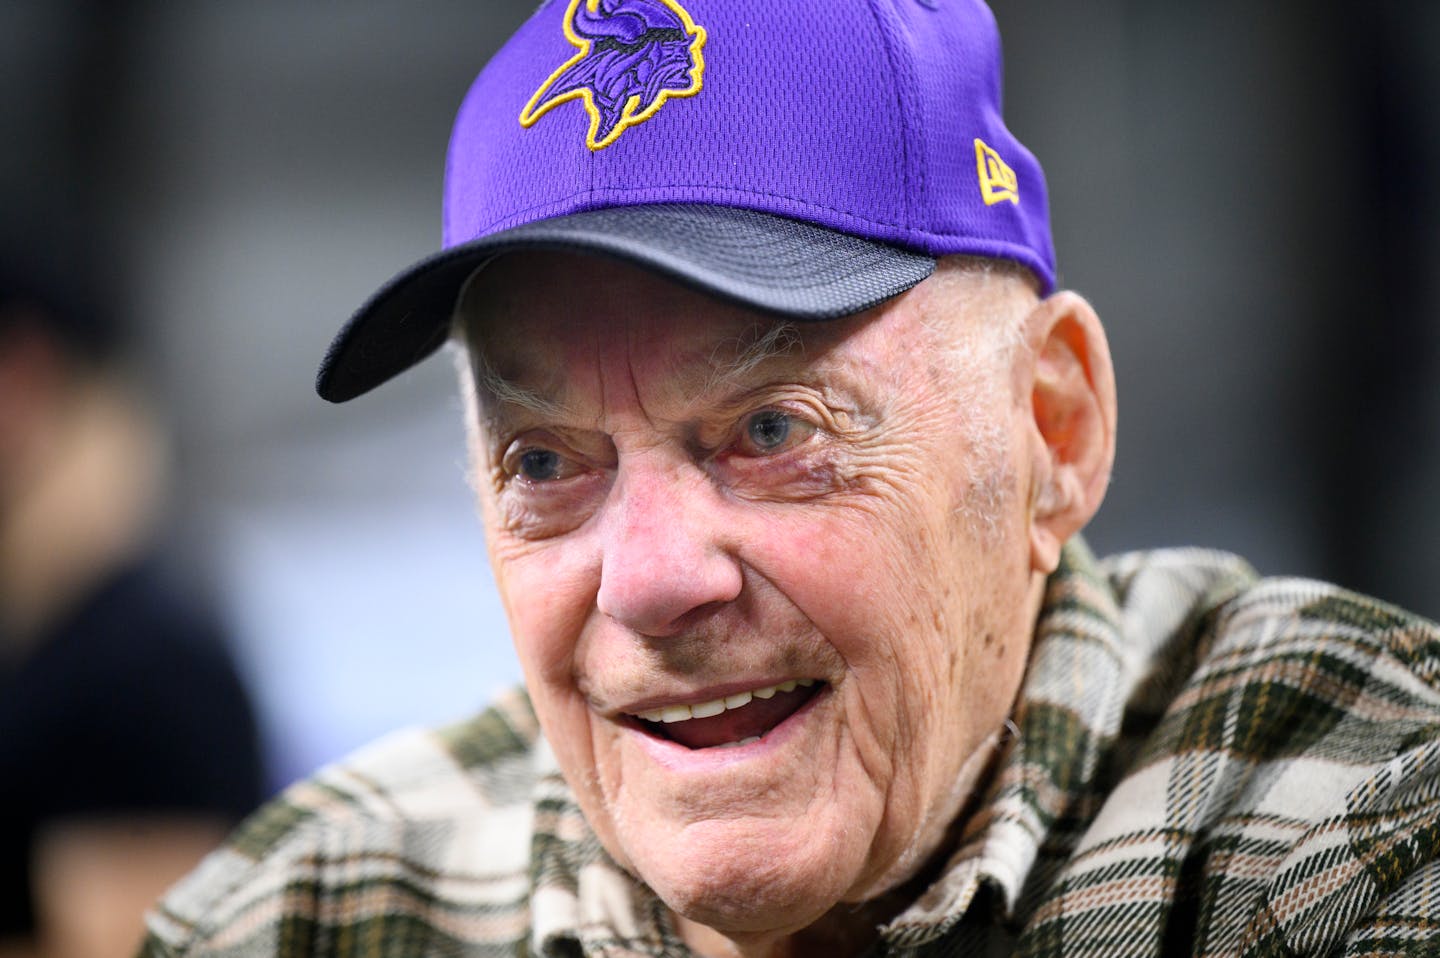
[[978, 311]]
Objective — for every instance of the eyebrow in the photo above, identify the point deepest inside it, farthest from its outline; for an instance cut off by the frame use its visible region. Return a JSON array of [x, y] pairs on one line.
[[489, 384], [755, 347]]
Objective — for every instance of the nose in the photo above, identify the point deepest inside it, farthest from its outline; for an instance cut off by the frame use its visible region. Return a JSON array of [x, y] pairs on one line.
[[665, 554]]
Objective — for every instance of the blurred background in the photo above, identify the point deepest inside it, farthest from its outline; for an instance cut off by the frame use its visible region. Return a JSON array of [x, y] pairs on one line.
[[1246, 191]]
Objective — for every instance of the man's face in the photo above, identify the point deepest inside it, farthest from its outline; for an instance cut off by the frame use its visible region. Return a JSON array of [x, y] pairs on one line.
[[772, 601]]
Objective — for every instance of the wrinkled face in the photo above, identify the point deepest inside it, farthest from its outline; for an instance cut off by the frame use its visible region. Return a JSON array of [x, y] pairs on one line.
[[770, 590]]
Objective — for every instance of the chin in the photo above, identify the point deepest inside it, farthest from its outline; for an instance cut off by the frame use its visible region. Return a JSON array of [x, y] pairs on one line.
[[750, 904], [754, 883]]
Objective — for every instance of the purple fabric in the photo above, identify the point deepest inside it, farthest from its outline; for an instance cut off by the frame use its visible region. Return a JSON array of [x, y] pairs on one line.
[[860, 115]]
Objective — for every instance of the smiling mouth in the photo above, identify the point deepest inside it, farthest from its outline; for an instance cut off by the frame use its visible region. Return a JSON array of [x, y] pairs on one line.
[[739, 719]]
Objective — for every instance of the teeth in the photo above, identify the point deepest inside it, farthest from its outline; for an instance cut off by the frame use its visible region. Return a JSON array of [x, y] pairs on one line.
[[743, 741], [736, 701], [681, 713], [707, 709]]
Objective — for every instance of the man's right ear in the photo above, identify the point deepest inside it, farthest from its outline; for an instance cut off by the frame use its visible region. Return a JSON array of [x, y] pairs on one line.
[[1072, 402]]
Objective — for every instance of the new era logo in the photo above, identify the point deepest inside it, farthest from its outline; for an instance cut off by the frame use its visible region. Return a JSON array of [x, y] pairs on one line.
[[997, 180]]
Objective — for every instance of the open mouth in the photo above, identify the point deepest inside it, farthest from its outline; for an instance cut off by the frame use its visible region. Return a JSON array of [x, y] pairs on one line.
[[734, 720]]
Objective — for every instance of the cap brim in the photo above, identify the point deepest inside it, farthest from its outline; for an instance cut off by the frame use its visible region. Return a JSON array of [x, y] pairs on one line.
[[777, 265]]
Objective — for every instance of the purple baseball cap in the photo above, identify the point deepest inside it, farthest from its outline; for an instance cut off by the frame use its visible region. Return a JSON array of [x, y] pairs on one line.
[[809, 158]]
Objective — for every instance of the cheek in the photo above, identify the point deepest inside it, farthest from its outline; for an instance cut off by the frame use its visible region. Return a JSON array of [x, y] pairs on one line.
[[906, 597], [548, 592], [870, 583], [882, 597]]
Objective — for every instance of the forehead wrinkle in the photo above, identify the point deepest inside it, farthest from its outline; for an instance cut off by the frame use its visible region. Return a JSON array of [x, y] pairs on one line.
[[633, 343], [692, 369], [699, 370]]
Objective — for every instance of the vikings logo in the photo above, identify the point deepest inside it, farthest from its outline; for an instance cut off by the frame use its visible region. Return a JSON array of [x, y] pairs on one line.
[[634, 55]]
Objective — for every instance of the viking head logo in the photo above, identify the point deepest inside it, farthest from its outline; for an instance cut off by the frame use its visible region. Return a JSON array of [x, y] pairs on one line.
[[634, 55]]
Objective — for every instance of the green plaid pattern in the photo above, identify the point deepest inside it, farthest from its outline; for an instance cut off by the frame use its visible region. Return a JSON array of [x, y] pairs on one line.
[[1202, 764]]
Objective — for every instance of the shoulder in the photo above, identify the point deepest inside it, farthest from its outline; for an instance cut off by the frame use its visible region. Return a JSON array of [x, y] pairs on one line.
[[1304, 668], [1323, 708], [1288, 614], [1160, 590], [1288, 795], [1214, 631], [422, 831]]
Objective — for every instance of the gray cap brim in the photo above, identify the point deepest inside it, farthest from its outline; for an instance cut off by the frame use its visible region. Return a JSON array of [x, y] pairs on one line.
[[769, 263]]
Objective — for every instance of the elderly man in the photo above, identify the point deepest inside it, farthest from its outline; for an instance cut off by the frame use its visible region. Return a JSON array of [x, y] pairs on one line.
[[782, 438]]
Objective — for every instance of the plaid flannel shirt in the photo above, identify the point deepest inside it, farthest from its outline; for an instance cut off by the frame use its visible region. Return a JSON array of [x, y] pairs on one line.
[[1204, 765]]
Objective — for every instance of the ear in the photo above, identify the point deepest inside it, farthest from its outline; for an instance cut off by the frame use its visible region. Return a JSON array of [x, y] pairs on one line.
[[1072, 399]]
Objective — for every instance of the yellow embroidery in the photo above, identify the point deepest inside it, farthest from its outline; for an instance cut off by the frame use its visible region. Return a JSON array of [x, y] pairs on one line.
[[539, 106], [997, 180]]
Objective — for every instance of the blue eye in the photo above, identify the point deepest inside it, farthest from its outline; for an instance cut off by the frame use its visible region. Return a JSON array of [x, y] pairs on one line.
[[773, 431], [768, 430], [540, 465]]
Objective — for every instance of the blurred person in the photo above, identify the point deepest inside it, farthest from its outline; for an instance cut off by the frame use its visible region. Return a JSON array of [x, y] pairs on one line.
[[127, 743], [783, 436]]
